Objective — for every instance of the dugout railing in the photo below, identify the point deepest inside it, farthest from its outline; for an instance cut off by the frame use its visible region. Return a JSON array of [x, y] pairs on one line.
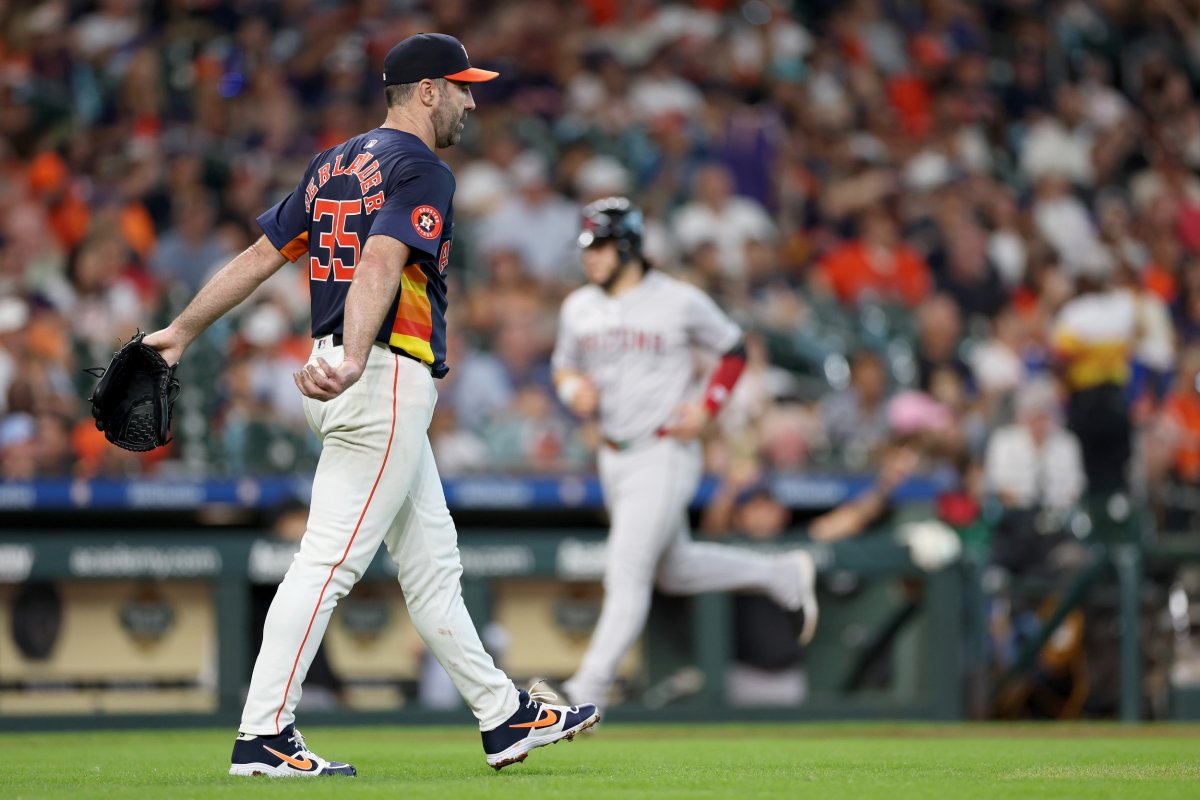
[[929, 684], [895, 642]]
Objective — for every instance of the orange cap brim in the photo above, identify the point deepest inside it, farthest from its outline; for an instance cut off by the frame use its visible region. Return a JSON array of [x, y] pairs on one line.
[[472, 75]]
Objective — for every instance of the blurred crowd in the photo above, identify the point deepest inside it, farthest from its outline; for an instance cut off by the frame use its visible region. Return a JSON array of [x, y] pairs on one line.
[[964, 230]]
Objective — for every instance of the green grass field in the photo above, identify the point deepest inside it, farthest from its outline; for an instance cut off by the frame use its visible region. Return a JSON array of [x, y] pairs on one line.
[[626, 761]]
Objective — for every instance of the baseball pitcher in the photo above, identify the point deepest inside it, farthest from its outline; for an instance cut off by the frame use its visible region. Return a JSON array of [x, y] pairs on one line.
[[372, 221]]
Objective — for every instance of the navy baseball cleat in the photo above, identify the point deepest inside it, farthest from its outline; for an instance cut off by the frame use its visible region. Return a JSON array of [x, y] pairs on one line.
[[534, 724], [283, 755]]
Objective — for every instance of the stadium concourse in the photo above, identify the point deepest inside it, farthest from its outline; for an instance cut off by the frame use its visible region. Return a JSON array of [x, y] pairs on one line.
[[965, 236]]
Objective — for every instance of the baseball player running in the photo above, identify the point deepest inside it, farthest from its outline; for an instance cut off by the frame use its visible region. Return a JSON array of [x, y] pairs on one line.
[[373, 220], [624, 351]]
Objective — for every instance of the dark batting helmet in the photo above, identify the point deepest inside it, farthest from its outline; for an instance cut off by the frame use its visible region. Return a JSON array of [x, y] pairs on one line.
[[614, 219]]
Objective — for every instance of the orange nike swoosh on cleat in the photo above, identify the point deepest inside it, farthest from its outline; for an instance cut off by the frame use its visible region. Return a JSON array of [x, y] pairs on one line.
[[298, 763], [550, 718]]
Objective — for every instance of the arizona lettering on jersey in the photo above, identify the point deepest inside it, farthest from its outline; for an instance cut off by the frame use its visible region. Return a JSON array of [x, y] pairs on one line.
[[382, 183], [621, 339]]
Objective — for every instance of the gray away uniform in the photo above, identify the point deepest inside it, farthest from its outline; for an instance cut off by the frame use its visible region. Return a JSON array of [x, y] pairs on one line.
[[637, 349]]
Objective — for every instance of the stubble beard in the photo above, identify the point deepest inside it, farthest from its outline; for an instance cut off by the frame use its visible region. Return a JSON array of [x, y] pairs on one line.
[[447, 128]]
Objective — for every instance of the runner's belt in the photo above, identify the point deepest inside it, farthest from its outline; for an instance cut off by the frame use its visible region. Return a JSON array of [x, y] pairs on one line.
[[625, 444]]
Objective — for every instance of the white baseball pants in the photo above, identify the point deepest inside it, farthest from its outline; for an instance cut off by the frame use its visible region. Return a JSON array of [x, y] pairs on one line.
[[376, 481], [647, 490]]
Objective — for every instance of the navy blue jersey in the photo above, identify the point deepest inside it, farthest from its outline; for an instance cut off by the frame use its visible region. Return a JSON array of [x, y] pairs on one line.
[[383, 182]]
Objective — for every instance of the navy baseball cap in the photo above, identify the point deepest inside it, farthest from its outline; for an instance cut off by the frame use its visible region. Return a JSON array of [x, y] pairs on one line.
[[431, 55]]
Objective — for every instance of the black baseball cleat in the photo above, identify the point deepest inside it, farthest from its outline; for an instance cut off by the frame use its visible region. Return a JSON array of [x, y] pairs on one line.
[[283, 755], [534, 724]]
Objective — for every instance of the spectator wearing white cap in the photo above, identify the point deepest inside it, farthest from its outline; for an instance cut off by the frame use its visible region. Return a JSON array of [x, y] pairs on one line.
[[1034, 469], [1035, 462]]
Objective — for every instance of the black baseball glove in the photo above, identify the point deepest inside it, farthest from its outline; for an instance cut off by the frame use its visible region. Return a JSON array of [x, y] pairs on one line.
[[133, 401]]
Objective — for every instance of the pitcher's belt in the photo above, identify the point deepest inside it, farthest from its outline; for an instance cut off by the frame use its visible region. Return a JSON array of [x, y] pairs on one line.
[[337, 342]]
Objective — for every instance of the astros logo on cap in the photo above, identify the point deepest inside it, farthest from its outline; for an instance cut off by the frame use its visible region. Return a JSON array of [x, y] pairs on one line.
[[427, 222]]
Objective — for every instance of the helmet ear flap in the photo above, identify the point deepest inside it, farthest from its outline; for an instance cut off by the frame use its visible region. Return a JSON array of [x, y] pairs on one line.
[[624, 251]]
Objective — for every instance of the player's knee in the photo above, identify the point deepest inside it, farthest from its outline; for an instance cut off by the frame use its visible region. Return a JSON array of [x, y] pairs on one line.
[[669, 582], [628, 578], [672, 576], [344, 573]]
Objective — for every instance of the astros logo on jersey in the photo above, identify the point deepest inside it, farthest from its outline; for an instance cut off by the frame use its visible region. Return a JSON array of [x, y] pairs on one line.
[[427, 222]]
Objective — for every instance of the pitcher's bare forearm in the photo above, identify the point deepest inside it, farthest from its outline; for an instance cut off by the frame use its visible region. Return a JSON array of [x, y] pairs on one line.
[[376, 281], [230, 286], [374, 287], [227, 289]]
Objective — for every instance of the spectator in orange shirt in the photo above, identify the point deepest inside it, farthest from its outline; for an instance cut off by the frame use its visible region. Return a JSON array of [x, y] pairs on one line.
[[877, 265], [52, 184]]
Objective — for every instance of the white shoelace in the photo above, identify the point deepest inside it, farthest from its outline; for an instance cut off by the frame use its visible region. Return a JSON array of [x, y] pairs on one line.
[[543, 696], [299, 740]]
